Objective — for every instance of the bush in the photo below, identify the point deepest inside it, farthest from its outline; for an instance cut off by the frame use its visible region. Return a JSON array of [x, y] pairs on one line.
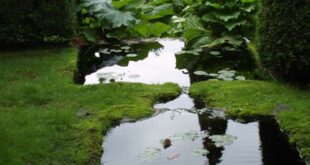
[[29, 21], [284, 39]]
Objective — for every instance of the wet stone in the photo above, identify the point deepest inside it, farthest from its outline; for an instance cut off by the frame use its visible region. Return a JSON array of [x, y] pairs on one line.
[[82, 113]]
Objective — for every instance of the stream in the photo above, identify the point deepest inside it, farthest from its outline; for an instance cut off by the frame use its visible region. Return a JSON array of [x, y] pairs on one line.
[[181, 131]]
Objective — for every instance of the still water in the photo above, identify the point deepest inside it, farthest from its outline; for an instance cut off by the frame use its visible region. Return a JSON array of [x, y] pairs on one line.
[[195, 135]]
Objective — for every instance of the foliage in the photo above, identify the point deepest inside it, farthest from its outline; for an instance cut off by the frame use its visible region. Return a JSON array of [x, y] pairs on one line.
[[284, 39], [210, 23], [137, 17], [36, 21]]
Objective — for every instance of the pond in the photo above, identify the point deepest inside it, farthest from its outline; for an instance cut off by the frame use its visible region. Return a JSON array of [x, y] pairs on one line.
[[181, 131]]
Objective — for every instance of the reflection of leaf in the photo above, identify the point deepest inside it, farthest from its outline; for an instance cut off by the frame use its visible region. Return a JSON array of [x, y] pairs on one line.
[[151, 29], [221, 140], [200, 152], [149, 153]]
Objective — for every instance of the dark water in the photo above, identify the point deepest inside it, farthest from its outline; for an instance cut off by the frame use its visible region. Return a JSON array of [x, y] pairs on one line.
[[259, 142], [197, 135]]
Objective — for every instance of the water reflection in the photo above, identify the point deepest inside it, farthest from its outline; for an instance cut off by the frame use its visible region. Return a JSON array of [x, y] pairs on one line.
[[215, 126], [89, 62], [150, 66], [183, 121]]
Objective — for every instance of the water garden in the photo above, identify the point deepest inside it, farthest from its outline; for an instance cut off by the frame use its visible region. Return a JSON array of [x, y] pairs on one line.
[[134, 82]]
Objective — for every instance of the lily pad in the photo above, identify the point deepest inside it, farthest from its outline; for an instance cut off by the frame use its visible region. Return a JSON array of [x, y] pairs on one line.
[[189, 135], [228, 79], [228, 74], [221, 140], [131, 55], [213, 74], [104, 51], [200, 152], [125, 47], [213, 79], [204, 134], [201, 73], [194, 52], [240, 78], [149, 153], [97, 54], [215, 53], [107, 76], [116, 50]]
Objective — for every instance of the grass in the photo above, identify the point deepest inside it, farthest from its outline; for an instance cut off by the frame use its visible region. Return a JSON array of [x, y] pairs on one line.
[[39, 104], [291, 106]]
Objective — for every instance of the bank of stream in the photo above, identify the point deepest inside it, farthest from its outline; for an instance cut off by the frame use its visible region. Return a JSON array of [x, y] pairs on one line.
[[182, 131]]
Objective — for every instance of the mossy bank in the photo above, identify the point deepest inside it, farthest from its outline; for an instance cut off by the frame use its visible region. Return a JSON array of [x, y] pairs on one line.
[[289, 105], [46, 118]]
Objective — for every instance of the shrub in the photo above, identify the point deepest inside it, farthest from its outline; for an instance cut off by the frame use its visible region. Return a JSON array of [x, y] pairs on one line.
[[36, 21], [284, 39]]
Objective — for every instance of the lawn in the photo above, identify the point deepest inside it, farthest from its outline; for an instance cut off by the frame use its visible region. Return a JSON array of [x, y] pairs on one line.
[[290, 106], [47, 119]]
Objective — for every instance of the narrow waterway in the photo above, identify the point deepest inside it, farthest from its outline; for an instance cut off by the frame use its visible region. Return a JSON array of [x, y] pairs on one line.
[[180, 132]]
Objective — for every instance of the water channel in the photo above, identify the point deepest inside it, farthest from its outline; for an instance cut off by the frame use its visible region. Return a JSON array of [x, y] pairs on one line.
[[182, 131]]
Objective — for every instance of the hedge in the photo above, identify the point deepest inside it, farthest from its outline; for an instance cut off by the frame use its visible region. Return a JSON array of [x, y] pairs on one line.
[[24, 21], [285, 38]]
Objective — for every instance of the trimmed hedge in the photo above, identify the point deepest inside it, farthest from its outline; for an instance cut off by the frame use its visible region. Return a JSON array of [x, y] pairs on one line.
[[285, 38], [28, 21]]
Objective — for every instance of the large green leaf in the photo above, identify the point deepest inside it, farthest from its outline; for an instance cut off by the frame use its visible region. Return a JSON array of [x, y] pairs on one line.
[[189, 34], [215, 5], [117, 18], [201, 40], [233, 24], [121, 3], [209, 17], [226, 16], [107, 13], [151, 29], [194, 22], [150, 12]]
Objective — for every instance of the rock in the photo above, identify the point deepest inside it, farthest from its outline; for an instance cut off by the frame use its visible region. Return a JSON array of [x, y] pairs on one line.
[[82, 113], [167, 143]]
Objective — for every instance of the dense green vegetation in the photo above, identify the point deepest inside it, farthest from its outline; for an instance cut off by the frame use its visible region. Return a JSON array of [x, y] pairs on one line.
[[108, 19], [200, 22], [284, 39], [258, 98], [34, 21], [44, 117]]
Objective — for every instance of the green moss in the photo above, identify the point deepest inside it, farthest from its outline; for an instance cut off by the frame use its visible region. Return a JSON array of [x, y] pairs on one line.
[[39, 106], [260, 98]]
